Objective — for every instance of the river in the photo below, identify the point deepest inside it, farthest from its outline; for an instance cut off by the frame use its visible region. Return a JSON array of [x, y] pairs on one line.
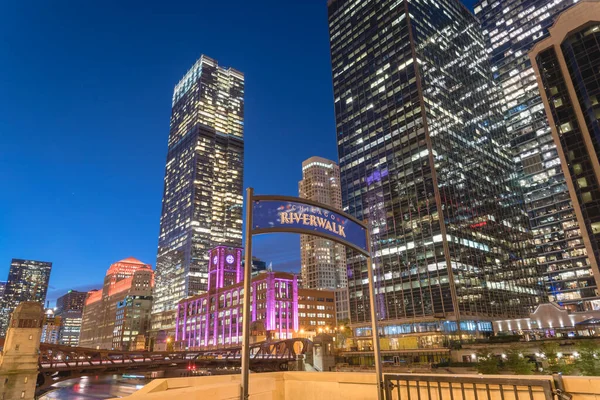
[[92, 387]]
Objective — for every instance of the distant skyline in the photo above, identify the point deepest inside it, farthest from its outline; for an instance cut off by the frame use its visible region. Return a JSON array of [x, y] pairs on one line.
[[84, 120]]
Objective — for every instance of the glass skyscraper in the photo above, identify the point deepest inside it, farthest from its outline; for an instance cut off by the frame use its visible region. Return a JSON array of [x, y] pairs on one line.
[[511, 28], [27, 281], [421, 158], [69, 307], [566, 63], [202, 200]]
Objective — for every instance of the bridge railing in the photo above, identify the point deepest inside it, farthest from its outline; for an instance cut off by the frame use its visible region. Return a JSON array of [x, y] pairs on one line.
[[56, 357], [476, 387]]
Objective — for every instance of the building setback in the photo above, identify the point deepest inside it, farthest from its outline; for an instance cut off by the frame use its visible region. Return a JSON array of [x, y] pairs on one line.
[[565, 64], [70, 308], [280, 310], [511, 29], [419, 141], [27, 281], [202, 199], [115, 315]]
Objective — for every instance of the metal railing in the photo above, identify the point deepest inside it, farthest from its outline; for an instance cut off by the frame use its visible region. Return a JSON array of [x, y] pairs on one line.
[[477, 387]]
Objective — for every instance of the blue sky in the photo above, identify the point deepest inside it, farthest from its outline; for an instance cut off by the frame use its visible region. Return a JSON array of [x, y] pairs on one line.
[[85, 98]]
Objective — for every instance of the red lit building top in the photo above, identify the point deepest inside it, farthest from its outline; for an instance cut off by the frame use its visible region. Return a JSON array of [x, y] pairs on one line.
[[120, 278], [121, 309]]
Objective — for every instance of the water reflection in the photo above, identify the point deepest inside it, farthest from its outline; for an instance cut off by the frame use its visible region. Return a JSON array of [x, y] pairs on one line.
[[92, 387]]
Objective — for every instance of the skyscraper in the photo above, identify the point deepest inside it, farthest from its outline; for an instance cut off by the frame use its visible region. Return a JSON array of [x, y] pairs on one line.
[[2, 289], [202, 200], [69, 307], [566, 67], [419, 142], [323, 262], [73, 300], [114, 316], [51, 326], [27, 281], [510, 30]]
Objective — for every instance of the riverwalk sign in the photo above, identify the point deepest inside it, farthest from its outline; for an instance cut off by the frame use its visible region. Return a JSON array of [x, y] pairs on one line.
[[289, 214], [277, 214]]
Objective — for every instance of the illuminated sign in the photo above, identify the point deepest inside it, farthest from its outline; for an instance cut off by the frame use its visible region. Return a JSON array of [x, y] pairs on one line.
[[277, 215]]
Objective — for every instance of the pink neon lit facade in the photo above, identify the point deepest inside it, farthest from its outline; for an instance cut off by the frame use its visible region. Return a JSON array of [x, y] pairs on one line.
[[214, 319]]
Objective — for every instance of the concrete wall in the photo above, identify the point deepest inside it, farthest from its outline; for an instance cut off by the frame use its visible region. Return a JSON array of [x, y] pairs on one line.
[[331, 386]]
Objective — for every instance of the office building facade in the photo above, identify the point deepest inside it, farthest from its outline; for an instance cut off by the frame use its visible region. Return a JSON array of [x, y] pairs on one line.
[[73, 300], [202, 199], [419, 133], [323, 262], [51, 326], [69, 307], [27, 281], [114, 316], [511, 29], [565, 64]]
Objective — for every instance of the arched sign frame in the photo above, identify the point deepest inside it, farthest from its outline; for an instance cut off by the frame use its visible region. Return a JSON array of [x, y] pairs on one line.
[[312, 218]]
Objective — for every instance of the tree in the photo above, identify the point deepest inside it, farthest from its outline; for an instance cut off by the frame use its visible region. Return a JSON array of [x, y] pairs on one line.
[[588, 362], [344, 332], [516, 362], [487, 363], [556, 363]]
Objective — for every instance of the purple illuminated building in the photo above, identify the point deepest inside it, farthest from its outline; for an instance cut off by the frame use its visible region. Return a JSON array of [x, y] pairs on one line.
[[214, 319], [280, 310]]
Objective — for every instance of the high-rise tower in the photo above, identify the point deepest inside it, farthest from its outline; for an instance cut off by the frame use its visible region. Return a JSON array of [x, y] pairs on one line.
[[323, 262], [70, 308], [202, 199], [511, 29], [114, 316], [566, 64], [419, 141], [27, 281]]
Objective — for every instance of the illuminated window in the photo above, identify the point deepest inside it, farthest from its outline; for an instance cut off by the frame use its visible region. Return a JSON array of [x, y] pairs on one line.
[[586, 197], [566, 127]]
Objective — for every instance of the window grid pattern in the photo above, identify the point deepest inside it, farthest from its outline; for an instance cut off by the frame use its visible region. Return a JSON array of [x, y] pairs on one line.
[[511, 28], [418, 138]]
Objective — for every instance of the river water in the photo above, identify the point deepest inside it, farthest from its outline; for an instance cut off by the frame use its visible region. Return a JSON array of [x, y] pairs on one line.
[[92, 387]]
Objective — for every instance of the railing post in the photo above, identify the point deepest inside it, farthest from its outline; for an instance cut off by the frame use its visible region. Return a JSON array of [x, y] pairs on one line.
[[374, 325], [246, 309], [559, 388]]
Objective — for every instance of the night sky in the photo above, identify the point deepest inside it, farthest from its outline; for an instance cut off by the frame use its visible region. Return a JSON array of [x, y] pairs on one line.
[[85, 101]]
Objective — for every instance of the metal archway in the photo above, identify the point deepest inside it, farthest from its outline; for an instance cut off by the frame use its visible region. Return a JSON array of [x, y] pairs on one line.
[[284, 214]]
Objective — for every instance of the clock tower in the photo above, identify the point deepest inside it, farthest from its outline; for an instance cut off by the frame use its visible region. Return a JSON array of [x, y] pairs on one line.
[[224, 267]]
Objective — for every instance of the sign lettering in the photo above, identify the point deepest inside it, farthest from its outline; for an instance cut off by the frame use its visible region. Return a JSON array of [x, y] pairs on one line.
[[295, 216]]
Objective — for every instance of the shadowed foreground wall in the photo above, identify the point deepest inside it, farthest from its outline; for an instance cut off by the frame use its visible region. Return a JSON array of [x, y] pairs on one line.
[[327, 385]]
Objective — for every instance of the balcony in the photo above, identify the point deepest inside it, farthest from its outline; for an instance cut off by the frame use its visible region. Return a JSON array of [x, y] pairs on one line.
[[359, 386]]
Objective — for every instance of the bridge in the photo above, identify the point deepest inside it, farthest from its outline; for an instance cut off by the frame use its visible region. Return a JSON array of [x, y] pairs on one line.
[[58, 363]]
